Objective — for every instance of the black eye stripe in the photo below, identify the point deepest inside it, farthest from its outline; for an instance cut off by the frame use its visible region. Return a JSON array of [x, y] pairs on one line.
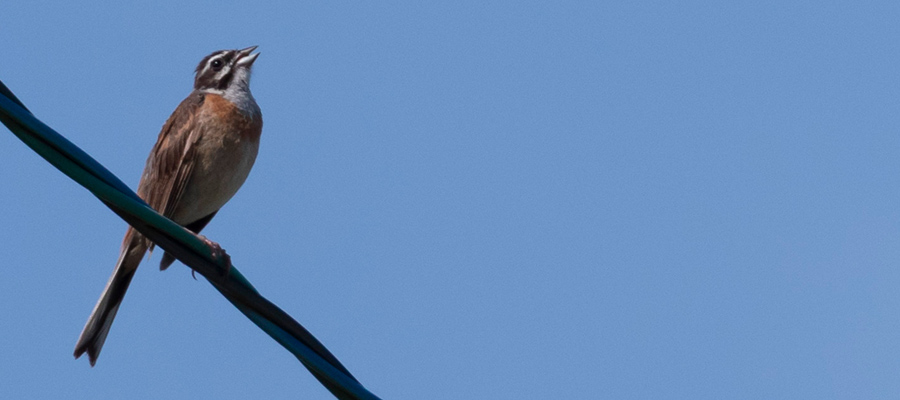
[[214, 72]]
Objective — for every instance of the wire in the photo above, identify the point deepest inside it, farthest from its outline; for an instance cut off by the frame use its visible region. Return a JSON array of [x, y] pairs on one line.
[[182, 244]]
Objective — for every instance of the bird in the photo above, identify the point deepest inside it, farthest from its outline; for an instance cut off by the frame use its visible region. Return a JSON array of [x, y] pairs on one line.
[[202, 156]]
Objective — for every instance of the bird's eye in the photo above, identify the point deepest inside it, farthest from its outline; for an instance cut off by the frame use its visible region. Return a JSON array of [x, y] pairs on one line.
[[217, 64]]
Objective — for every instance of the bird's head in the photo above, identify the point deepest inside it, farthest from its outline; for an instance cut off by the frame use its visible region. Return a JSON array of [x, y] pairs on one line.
[[223, 69]]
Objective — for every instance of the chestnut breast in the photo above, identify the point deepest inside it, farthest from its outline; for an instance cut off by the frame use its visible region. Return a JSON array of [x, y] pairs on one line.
[[225, 153]]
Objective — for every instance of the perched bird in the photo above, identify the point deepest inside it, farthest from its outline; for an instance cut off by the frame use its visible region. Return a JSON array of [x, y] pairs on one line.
[[202, 156]]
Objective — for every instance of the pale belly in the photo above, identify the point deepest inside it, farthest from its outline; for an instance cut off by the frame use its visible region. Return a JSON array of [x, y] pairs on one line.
[[216, 177]]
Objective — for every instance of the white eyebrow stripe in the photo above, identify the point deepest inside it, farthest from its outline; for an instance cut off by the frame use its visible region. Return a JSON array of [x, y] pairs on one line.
[[210, 61]]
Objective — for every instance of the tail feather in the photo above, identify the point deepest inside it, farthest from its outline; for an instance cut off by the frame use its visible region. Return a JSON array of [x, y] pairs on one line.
[[167, 260], [97, 327]]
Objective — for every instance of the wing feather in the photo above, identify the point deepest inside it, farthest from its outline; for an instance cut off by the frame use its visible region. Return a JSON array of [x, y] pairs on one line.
[[168, 168]]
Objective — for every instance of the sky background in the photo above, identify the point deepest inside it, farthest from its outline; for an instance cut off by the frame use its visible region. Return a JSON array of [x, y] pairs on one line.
[[637, 200]]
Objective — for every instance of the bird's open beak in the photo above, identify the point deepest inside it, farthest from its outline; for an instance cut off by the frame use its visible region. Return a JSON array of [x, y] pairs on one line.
[[245, 59]]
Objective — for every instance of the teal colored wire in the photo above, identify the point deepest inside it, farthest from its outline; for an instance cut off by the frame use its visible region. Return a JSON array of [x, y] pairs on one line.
[[181, 243]]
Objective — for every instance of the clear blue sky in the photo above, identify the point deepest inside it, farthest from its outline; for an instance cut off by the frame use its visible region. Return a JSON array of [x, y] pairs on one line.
[[663, 200]]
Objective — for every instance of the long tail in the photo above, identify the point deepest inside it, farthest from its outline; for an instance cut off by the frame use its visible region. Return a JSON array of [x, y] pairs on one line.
[[97, 327]]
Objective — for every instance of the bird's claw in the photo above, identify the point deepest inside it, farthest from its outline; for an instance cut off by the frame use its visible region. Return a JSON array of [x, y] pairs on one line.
[[218, 253]]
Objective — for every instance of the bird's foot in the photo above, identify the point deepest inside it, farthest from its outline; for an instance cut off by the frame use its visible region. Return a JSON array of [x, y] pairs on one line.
[[218, 253]]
